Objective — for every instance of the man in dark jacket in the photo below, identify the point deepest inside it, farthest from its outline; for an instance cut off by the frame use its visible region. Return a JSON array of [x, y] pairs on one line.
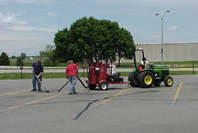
[[37, 70]]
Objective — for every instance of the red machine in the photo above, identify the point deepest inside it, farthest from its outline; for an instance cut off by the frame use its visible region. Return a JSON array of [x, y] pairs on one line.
[[98, 76]]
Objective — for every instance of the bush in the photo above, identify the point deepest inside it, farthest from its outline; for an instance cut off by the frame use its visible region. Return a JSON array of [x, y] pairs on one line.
[[4, 59]]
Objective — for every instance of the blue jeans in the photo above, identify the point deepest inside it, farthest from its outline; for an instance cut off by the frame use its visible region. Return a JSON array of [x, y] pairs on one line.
[[72, 81], [34, 79]]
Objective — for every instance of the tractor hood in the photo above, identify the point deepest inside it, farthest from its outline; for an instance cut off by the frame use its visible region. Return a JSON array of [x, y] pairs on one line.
[[161, 68], [157, 70], [161, 71]]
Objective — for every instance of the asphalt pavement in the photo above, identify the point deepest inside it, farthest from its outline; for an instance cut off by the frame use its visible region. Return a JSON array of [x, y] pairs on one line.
[[120, 109]]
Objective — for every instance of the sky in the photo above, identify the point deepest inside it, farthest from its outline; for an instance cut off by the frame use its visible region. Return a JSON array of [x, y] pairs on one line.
[[28, 26]]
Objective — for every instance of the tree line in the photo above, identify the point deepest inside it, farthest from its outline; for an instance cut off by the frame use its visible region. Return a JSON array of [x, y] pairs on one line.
[[89, 38], [5, 60]]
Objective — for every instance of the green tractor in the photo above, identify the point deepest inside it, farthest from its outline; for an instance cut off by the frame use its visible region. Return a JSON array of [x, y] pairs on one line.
[[146, 77]]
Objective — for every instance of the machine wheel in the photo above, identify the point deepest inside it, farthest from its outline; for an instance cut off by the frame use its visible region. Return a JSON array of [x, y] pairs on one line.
[[168, 81], [146, 79], [133, 79], [92, 86], [103, 86], [157, 83]]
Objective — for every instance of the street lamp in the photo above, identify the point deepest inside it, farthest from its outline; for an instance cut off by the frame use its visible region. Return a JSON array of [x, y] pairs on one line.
[[162, 31]]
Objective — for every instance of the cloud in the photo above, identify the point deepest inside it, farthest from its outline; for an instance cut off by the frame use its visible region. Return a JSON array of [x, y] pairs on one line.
[[26, 28], [29, 1], [173, 28], [7, 19], [11, 22], [51, 14]]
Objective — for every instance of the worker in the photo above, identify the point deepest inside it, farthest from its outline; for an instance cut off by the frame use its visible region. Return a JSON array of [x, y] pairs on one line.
[[71, 73], [144, 62], [37, 70], [112, 67]]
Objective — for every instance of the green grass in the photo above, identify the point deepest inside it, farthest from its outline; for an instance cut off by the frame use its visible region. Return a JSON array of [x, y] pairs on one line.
[[4, 76], [170, 64], [29, 75], [28, 62]]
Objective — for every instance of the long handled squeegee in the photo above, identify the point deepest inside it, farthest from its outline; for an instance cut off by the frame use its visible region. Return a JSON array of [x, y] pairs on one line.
[[41, 83]]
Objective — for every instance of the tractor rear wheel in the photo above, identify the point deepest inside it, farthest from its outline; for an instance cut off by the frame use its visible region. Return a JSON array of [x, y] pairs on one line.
[[133, 79], [146, 79], [168, 81], [103, 86]]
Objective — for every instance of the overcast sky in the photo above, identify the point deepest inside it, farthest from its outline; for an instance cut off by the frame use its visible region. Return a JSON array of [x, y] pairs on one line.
[[29, 25]]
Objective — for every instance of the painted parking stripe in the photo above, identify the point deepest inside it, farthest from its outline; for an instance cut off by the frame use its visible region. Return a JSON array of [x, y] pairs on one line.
[[176, 95], [108, 99], [115, 95], [14, 92], [37, 101], [87, 110]]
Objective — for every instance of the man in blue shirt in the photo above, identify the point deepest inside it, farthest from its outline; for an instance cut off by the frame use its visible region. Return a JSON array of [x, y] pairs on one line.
[[37, 68]]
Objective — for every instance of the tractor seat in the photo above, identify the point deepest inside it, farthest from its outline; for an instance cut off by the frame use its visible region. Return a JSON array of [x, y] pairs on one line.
[[152, 66]]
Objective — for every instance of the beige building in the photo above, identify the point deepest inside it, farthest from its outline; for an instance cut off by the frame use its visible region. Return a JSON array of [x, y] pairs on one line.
[[171, 52]]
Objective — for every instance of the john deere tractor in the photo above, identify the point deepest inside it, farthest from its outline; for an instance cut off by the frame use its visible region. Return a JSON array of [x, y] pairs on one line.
[[147, 76]]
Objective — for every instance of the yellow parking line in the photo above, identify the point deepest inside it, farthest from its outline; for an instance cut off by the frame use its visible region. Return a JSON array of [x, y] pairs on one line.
[[14, 92], [39, 100], [178, 90], [35, 101], [41, 94], [188, 68], [115, 96]]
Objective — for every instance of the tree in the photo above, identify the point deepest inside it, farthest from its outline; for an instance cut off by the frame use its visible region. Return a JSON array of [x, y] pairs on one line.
[[62, 52], [13, 57], [127, 50], [48, 56], [4, 59], [23, 56], [93, 39], [19, 61]]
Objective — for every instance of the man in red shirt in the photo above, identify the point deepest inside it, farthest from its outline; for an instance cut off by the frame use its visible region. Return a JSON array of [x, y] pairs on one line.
[[71, 72]]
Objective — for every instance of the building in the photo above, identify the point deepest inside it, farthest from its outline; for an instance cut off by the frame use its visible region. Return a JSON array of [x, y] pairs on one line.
[[171, 52]]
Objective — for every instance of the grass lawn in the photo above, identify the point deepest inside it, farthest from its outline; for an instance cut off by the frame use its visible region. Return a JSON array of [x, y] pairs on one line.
[[171, 64], [4, 76], [28, 62]]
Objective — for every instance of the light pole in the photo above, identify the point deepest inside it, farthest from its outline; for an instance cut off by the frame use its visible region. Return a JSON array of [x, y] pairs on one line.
[[162, 31]]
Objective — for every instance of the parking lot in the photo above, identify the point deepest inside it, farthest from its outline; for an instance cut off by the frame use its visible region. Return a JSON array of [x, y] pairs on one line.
[[121, 109]]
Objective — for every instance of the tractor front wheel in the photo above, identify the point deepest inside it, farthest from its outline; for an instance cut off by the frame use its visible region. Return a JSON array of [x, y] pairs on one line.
[[146, 79], [103, 86], [168, 81]]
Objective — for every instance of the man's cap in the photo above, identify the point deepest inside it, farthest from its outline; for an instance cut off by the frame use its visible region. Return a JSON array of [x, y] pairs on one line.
[[70, 61]]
